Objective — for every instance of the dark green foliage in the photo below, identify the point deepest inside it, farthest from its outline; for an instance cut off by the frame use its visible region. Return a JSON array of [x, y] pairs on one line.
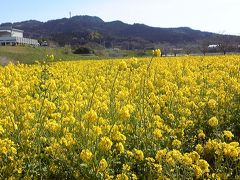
[[82, 50]]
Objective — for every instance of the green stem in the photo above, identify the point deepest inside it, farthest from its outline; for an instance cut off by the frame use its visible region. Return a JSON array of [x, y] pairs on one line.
[[112, 102]]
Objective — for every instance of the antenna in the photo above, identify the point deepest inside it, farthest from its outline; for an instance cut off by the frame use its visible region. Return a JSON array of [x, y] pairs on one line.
[[70, 14]]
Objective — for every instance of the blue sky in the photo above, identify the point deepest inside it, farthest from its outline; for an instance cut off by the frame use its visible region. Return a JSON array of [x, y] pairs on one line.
[[221, 16]]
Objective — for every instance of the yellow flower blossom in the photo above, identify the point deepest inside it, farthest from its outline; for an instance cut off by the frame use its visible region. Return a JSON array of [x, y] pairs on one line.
[[157, 134], [138, 154], [86, 155], [50, 57], [156, 52], [160, 154], [126, 168], [213, 121], [1, 130], [102, 165], [201, 134], [176, 143], [122, 176], [120, 147], [199, 148], [212, 104], [105, 144], [90, 116], [228, 134], [122, 66]]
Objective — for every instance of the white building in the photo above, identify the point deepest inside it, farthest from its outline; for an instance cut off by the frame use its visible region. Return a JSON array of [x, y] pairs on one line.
[[11, 36], [213, 46]]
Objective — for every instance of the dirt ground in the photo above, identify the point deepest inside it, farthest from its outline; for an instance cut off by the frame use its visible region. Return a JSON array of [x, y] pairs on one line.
[[4, 60]]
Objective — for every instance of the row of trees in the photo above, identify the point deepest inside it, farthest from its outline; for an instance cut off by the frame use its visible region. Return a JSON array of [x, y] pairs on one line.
[[221, 43], [202, 49], [218, 44]]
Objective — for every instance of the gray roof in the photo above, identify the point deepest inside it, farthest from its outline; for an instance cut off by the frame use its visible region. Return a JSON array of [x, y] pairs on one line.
[[10, 29]]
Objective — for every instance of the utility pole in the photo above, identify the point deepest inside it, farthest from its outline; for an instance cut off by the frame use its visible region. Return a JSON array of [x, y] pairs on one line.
[[70, 14]]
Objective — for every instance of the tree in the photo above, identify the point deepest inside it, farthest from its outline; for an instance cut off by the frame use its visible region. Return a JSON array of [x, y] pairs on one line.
[[188, 49], [224, 43], [203, 46], [82, 50], [95, 36], [176, 51], [164, 51]]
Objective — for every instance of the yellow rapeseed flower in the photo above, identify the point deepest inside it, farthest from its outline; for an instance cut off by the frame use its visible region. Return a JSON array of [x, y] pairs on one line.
[[157, 134], [176, 143], [161, 154], [50, 57], [122, 66], [156, 52], [201, 134], [105, 144], [212, 104], [213, 121], [86, 155], [120, 147], [138, 154], [90, 116], [1, 130], [228, 134], [122, 176], [186, 159], [203, 164], [102, 165], [126, 168], [199, 148]]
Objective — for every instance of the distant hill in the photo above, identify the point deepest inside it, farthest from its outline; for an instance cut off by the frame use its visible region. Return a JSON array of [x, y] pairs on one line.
[[84, 29]]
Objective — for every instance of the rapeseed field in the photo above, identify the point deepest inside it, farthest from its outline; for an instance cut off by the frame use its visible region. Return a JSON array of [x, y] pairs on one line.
[[145, 118]]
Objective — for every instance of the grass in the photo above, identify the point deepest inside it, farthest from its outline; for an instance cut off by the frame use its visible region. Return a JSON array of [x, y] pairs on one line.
[[128, 53], [28, 54]]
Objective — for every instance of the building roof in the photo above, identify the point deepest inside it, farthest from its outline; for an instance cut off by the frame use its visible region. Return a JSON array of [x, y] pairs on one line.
[[10, 29]]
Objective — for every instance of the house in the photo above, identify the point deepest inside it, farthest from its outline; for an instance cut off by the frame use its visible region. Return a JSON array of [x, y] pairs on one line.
[[11, 36], [213, 46]]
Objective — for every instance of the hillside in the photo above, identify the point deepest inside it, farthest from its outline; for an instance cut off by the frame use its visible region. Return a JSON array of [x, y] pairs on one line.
[[83, 29]]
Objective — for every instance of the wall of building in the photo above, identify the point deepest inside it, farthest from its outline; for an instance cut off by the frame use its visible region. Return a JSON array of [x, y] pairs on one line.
[[17, 34], [15, 37], [5, 34], [17, 40], [26, 41]]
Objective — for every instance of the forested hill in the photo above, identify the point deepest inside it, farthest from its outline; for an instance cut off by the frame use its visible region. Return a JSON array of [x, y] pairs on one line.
[[83, 29]]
